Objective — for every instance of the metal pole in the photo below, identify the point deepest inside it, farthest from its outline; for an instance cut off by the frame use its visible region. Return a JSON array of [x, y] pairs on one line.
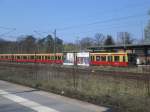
[[142, 31], [54, 46], [124, 40], [55, 41]]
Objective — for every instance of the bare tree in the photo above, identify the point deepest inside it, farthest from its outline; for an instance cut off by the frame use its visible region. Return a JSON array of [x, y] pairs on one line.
[[86, 42], [147, 32], [124, 38], [27, 44], [99, 39]]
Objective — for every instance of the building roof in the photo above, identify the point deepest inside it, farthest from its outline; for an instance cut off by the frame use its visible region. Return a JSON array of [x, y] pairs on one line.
[[127, 46]]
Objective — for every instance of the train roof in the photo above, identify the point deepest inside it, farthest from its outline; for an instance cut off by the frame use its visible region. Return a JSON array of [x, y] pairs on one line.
[[81, 51], [109, 53], [47, 54]]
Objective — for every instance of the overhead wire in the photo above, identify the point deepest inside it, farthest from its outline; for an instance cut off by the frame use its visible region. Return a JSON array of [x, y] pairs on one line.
[[104, 12], [95, 22], [104, 21], [5, 28], [127, 7], [107, 28]]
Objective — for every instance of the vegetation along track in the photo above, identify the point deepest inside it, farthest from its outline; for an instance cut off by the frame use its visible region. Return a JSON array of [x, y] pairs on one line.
[[85, 70]]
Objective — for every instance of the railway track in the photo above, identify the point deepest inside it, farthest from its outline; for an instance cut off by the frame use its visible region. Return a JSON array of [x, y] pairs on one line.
[[78, 70]]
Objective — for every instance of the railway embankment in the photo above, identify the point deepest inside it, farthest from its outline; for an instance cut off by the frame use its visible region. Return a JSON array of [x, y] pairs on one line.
[[124, 90]]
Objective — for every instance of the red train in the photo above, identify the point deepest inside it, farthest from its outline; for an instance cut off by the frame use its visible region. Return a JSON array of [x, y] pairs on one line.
[[33, 58], [82, 58], [109, 59]]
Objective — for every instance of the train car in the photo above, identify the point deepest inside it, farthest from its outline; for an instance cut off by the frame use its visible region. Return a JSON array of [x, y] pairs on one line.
[[50, 58], [69, 58], [109, 59], [74, 58], [33, 58], [6, 57], [83, 59]]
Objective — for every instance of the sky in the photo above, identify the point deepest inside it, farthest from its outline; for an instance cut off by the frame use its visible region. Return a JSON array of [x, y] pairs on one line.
[[72, 19]]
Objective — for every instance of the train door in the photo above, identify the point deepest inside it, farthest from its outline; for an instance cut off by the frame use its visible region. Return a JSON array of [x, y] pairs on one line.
[[92, 59], [116, 60]]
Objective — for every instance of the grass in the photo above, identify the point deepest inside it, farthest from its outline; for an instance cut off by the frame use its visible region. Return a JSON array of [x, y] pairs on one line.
[[133, 69]]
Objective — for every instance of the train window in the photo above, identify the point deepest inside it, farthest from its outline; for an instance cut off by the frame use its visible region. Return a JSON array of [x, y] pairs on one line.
[[97, 58], [124, 59], [109, 58], [49, 58], [6, 57], [56, 57], [42, 57], [103, 58], [12, 57], [59, 57], [116, 58], [18, 57], [31, 57], [24, 57], [52, 58], [92, 58], [46, 57], [39, 57]]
